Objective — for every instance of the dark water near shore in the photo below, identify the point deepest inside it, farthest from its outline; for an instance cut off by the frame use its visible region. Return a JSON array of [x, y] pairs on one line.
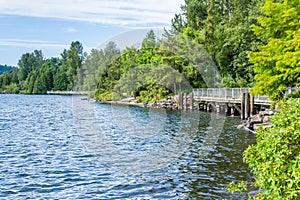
[[58, 147]]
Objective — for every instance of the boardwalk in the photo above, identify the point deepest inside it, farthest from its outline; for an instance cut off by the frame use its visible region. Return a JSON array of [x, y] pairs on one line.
[[68, 92], [228, 95], [230, 101]]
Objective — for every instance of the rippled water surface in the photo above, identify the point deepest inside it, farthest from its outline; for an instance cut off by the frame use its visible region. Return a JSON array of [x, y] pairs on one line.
[[60, 147]]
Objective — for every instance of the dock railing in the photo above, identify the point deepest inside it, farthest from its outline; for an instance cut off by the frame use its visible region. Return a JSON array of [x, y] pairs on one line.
[[225, 94], [290, 90], [233, 93], [68, 92]]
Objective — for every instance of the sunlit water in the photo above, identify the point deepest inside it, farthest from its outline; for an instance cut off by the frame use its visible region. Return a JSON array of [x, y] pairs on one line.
[[57, 147]]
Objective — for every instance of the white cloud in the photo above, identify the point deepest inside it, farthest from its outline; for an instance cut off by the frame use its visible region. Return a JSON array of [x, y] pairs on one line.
[[70, 30], [115, 12], [37, 44]]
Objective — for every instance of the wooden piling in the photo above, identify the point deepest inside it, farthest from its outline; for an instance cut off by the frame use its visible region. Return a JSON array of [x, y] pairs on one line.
[[247, 105], [226, 108], [243, 106], [218, 107], [180, 101], [192, 101], [252, 108], [185, 102], [232, 111]]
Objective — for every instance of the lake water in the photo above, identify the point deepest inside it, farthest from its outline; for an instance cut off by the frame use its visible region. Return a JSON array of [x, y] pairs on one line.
[[60, 147]]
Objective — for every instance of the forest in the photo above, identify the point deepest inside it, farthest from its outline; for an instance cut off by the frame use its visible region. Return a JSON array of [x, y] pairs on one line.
[[250, 43]]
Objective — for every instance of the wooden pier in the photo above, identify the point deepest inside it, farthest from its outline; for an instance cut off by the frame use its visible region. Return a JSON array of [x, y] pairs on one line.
[[68, 92], [228, 101]]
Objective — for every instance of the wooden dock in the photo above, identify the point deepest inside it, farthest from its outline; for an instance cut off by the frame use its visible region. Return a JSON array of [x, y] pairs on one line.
[[68, 93], [229, 101]]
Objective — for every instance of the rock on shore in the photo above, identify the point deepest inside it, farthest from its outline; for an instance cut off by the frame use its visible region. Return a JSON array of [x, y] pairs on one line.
[[262, 118], [168, 103]]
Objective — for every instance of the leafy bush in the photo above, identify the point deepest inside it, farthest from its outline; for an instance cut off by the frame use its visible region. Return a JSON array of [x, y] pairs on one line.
[[11, 89], [105, 96], [153, 93], [275, 158], [240, 187]]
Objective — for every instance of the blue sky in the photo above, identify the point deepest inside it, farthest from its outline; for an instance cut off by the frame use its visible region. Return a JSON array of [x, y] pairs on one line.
[[51, 25]]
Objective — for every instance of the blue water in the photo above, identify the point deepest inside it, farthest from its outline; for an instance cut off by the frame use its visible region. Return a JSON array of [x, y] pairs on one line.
[[60, 147]]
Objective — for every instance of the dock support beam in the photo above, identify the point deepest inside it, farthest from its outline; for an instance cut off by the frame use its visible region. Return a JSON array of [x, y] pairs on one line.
[[192, 101], [252, 106], [218, 107], [180, 101], [247, 105], [243, 106], [185, 101]]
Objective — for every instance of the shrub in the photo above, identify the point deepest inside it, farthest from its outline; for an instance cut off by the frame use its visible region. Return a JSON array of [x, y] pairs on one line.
[[275, 158]]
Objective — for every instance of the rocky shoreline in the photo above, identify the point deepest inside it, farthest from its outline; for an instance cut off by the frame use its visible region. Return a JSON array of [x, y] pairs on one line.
[[167, 103], [263, 118]]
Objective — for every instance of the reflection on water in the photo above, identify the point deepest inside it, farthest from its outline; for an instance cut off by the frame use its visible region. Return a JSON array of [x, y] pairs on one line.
[[60, 147]]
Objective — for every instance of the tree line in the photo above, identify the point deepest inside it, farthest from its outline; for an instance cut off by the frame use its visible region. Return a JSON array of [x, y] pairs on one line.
[[37, 75]]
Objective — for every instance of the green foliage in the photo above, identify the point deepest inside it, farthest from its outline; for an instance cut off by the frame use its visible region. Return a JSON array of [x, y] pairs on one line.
[[103, 96], [240, 187], [224, 30], [30, 62], [152, 93], [74, 61], [277, 63], [275, 159], [11, 89], [9, 82]]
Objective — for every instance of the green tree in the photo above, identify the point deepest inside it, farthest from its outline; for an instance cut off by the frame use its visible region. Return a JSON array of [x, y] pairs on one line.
[[277, 63], [30, 81], [224, 30], [9, 82], [177, 24], [39, 86], [148, 51], [60, 78], [29, 62], [75, 59], [91, 70]]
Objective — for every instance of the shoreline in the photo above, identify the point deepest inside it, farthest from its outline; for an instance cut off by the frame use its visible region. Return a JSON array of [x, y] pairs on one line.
[[167, 103]]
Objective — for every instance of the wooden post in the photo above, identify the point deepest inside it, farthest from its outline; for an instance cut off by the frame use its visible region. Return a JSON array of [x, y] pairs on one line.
[[218, 107], [185, 101], [180, 101], [243, 106], [226, 109], [232, 111], [247, 105], [192, 101], [252, 111]]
